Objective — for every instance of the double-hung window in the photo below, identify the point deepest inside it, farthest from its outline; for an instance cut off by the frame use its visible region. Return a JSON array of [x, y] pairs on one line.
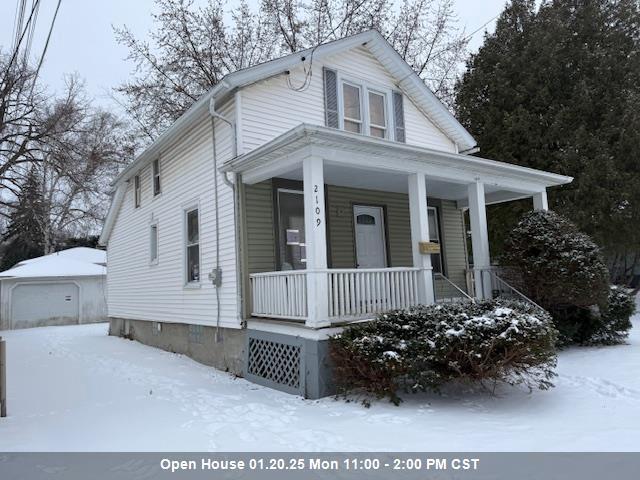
[[192, 246], [364, 110], [153, 243], [352, 108], [137, 191], [377, 114], [156, 177]]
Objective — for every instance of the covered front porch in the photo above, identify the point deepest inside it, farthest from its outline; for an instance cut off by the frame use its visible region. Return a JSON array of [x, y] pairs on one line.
[[339, 227]]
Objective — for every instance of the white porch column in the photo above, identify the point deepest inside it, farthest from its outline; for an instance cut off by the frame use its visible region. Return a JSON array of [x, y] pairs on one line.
[[316, 243], [540, 200], [420, 233], [479, 239]]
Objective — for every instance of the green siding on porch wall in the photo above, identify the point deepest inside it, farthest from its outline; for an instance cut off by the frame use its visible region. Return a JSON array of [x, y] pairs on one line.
[[261, 240]]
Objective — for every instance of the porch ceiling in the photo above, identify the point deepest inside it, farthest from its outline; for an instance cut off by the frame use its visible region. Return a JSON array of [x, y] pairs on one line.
[[348, 156], [354, 177], [345, 176]]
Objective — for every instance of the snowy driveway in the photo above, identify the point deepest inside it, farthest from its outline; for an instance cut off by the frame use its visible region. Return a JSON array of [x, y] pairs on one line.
[[75, 388]]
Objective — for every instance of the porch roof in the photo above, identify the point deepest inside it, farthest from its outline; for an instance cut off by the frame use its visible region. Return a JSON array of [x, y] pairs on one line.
[[340, 148]]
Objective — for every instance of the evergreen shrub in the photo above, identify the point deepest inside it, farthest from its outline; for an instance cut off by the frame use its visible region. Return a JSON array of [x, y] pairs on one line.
[[424, 347], [561, 269], [612, 325]]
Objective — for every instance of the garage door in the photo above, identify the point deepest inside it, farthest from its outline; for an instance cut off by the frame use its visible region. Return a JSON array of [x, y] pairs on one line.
[[39, 304]]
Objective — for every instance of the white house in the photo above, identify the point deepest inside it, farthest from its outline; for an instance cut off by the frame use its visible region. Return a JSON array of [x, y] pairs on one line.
[[66, 287], [297, 195]]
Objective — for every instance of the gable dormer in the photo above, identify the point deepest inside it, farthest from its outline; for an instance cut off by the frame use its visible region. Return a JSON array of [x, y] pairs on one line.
[[346, 85]]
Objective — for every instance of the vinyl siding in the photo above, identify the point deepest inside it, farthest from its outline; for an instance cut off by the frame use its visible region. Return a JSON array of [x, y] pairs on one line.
[[453, 234], [259, 227], [139, 290], [341, 251], [271, 107], [341, 233]]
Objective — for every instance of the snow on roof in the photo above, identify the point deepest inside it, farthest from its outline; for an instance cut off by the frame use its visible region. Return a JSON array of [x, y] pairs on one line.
[[81, 254], [74, 262]]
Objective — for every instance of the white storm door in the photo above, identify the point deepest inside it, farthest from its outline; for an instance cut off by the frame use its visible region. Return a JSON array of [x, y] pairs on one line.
[[368, 223]]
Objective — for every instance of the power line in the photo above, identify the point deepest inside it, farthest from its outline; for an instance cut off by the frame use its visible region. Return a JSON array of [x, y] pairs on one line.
[[16, 49], [468, 37], [46, 46], [18, 19], [35, 6]]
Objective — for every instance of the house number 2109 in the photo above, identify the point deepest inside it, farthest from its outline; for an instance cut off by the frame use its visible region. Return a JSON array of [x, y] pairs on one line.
[[317, 209]]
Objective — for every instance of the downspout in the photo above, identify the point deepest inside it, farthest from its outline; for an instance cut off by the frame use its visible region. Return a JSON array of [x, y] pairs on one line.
[[214, 114]]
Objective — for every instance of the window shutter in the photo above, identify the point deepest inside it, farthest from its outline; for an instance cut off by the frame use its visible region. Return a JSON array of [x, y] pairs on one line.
[[398, 117], [330, 98]]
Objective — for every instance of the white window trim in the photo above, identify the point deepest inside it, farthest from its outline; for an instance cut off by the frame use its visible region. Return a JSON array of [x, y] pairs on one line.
[[137, 191], [366, 86], [185, 210], [154, 261], [153, 178], [362, 105], [277, 206], [385, 101]]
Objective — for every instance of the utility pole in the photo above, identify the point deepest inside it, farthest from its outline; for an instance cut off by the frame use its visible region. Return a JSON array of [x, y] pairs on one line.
[[3, 378]]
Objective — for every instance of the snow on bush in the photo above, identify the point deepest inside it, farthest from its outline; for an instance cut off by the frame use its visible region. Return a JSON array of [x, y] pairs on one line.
[[425, 347], [559, 265], [614, 322], [561, 269]]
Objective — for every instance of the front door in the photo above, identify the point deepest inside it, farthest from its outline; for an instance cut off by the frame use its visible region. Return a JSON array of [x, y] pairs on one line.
[[368, 223]]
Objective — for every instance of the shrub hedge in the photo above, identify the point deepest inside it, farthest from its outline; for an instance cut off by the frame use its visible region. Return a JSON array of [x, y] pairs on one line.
[[425, 347]]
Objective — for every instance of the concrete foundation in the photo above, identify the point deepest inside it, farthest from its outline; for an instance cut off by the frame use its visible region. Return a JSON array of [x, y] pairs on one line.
[[199, 342], [284, 361]]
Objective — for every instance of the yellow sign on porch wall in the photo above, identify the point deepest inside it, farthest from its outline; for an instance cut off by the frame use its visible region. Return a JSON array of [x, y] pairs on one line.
[[429, 247]]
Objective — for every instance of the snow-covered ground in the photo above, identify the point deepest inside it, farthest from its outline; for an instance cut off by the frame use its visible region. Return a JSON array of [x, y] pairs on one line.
[[75, 388]]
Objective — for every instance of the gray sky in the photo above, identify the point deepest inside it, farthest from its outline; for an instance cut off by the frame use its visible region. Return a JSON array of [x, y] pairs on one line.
[[83, 39]]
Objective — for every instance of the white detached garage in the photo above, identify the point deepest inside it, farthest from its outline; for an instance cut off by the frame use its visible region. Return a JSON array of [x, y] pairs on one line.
[[63, 288]]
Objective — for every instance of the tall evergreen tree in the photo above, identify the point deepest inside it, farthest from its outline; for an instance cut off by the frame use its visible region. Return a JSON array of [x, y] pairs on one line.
[[559, 89], [24, 237]]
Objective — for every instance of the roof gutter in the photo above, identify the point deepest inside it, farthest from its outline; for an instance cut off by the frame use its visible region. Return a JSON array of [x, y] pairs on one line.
[[311, 131]]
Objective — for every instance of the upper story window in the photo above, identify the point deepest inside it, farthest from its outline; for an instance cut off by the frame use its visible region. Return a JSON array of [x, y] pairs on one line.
[[137, 191], [364, 110], [352, 108], [156, 177], [355, 105], [377, 115]]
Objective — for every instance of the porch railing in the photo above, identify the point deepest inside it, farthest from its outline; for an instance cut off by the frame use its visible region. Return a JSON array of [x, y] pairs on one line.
[[445, 291], [496, 286], [353, 293], [363, 292], [280, 294]]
